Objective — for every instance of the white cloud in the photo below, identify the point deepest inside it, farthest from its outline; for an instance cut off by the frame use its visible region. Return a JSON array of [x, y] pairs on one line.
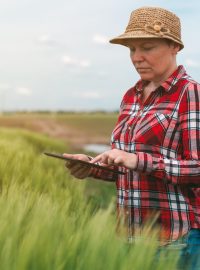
[[45, 39], [84, 63], [24, 91], [192, 63], [70, 61], [100, 39]]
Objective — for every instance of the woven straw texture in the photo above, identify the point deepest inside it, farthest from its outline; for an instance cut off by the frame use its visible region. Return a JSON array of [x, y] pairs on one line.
[[151, 22]]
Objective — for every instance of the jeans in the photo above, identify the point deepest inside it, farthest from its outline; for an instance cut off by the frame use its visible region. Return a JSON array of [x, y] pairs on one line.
[[190, 254], [186, 250]]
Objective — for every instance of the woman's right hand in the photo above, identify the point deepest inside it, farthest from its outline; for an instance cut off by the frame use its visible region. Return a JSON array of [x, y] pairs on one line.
[[78, 170]]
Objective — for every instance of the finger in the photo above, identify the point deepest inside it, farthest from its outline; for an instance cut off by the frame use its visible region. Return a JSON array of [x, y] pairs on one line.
[[110, 160], [102, 158], [96, 159], [75, 169], [68, 155], [81, 173], [118, 161], [73, 166], [70, 164]]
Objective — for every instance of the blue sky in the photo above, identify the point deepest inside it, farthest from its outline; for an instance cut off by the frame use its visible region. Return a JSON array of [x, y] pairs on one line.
[[55, 54]]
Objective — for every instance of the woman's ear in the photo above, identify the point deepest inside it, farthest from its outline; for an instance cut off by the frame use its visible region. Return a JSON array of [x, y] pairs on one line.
[[176, 47]]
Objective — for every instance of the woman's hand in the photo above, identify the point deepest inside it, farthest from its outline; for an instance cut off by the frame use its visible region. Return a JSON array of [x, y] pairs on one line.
[[78, 170], [118, 158]]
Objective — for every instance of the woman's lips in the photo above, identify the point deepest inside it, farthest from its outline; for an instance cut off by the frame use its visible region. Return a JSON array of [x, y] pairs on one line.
[[143, 69]]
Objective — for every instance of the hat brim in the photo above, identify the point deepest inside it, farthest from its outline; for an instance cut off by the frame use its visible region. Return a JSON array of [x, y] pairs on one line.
[[126, 38]]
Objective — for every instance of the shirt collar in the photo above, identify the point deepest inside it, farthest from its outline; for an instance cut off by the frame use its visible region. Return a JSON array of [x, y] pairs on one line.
[[168, 84], [174, 78]]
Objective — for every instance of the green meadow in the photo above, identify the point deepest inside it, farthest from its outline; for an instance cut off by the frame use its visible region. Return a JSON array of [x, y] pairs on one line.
[[50, 220]]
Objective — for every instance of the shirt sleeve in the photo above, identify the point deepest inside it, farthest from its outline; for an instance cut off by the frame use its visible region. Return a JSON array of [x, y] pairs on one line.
[[184, 171]]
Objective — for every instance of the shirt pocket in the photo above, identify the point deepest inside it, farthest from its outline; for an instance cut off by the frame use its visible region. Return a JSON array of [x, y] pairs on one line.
[[152, 129]]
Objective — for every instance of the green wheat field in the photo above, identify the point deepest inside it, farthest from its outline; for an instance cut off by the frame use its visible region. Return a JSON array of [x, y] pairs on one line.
[[52, 221]]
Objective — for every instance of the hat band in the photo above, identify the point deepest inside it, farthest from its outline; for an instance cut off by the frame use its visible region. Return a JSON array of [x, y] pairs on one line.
[[157, 29]]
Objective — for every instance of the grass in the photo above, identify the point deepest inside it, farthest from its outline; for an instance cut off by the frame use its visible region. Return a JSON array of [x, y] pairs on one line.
[[49, 221]]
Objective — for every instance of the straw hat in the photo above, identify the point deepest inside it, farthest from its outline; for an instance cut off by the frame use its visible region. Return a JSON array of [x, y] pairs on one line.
[[151, 22]]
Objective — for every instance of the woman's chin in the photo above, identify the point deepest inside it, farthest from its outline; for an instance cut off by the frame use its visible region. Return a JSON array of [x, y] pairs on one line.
[[145, 77]]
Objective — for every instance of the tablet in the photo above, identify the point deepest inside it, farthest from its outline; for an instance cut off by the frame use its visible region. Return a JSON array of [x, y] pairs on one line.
[[85, 163]]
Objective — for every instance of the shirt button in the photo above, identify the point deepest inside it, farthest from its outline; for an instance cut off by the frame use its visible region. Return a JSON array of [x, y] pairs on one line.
[[129, 128], [127, 212]]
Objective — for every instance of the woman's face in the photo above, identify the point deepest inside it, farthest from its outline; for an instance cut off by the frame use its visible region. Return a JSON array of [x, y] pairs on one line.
[[154, 59]]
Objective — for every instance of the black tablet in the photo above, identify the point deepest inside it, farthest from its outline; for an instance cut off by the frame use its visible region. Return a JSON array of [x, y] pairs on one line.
[[85, 163]]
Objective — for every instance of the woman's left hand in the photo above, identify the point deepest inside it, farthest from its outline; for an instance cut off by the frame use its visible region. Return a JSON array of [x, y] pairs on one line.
[[117, 157]]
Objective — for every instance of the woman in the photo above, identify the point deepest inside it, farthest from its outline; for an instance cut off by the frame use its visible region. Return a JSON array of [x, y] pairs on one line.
[[156, 140]]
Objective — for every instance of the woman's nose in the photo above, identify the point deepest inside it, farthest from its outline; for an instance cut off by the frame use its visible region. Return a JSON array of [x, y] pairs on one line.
[[136, 56]]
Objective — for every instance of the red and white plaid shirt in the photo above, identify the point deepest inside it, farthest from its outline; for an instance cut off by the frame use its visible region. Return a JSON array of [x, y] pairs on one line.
[[165, 134]]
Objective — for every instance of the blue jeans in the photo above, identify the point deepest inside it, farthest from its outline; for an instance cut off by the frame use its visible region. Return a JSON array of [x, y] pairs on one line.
[[190, 254], [186, 249]]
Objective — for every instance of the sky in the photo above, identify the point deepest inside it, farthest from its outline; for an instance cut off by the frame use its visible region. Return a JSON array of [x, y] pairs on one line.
[[56, 55]]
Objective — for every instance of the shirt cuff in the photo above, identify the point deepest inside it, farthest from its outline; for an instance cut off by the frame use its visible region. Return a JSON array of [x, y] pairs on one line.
[[145, 162]]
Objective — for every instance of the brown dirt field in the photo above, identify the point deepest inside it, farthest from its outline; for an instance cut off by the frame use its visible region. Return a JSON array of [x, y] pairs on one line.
[[53, 128]]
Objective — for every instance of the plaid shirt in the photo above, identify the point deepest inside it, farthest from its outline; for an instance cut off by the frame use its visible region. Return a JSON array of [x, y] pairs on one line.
[[164, 132]]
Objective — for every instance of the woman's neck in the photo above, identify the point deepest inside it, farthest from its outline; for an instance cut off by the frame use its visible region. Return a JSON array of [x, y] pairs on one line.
[[151, 86], [165, 76]]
